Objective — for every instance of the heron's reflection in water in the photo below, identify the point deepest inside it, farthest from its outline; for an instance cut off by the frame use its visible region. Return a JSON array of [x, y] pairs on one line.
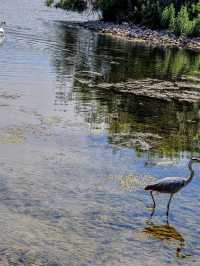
[[2, 38], [166, 232]]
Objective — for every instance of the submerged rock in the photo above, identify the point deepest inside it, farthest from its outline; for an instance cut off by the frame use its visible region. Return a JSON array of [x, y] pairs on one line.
[[142, 141], [82, 81], [158, 89]]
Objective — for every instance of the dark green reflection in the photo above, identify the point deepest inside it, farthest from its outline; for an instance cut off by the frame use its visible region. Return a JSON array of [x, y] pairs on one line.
[[140, 62], [147, 125]]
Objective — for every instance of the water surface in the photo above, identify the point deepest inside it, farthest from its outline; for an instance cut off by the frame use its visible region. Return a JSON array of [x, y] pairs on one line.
[[74, 159]]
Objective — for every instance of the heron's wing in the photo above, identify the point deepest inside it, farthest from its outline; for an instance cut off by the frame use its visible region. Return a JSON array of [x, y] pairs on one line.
[[170, 179], [167, 185]]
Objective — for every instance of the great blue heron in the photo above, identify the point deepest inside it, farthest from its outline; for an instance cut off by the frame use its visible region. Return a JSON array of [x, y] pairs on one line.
[[171, 185]]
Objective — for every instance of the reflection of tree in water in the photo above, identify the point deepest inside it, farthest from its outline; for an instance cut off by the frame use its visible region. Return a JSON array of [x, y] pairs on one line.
[[124, 60], [164, 128], [167, 233], [119, 60], [144, 124], [75, 46]]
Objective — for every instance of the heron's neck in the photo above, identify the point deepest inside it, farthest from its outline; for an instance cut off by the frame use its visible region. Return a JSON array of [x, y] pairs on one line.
[[189, 179]]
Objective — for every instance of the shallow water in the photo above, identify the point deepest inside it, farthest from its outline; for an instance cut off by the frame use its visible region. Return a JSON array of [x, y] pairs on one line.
[[75, 159]]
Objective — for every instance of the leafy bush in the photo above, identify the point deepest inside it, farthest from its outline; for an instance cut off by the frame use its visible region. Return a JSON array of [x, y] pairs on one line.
[[113, 10], [196, 9], [183, 25], [168, 18], [49, 2], [180, 16], [75, 5], [196, 27], [146, 12]]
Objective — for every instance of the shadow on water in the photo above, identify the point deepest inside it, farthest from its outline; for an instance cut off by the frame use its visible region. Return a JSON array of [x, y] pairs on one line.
[[167, 233], [147, 125]]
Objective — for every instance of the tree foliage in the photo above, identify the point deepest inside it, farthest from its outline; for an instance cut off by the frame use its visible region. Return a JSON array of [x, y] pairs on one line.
[[179, 16]]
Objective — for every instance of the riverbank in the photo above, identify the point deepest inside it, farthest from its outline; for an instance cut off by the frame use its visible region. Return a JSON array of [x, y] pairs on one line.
[[143, 35]]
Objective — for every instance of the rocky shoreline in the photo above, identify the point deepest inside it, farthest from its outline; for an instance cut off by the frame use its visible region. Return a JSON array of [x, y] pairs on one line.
[[143, 35]]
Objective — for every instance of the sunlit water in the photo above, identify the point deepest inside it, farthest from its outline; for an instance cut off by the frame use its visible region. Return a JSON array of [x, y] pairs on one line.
[[74, 160]]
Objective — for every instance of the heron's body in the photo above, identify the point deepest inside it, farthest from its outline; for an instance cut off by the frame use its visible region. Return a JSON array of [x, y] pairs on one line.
[[171, 185], [167, 185]]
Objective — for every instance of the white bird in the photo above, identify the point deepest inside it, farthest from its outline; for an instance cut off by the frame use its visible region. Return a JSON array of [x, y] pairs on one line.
[[171, 185], [2, 32]]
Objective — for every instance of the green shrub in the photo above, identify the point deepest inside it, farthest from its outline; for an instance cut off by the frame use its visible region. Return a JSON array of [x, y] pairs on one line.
[[196, 27], [180, 16], [75, 5], [183, 25], [113, 10], [195, 10], [168, 17], [49, 2]]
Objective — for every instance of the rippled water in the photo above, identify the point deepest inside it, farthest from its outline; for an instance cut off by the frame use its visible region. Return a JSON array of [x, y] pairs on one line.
[[74, 159]]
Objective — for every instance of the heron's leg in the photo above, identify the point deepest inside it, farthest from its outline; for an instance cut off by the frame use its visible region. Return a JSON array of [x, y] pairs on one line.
[[169, 204], [154, 203]]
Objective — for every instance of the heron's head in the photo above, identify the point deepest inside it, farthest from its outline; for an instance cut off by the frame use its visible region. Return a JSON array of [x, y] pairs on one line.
[[195, 159]]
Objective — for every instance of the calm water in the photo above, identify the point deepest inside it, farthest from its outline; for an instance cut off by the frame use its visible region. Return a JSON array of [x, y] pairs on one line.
[[74, 159]]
